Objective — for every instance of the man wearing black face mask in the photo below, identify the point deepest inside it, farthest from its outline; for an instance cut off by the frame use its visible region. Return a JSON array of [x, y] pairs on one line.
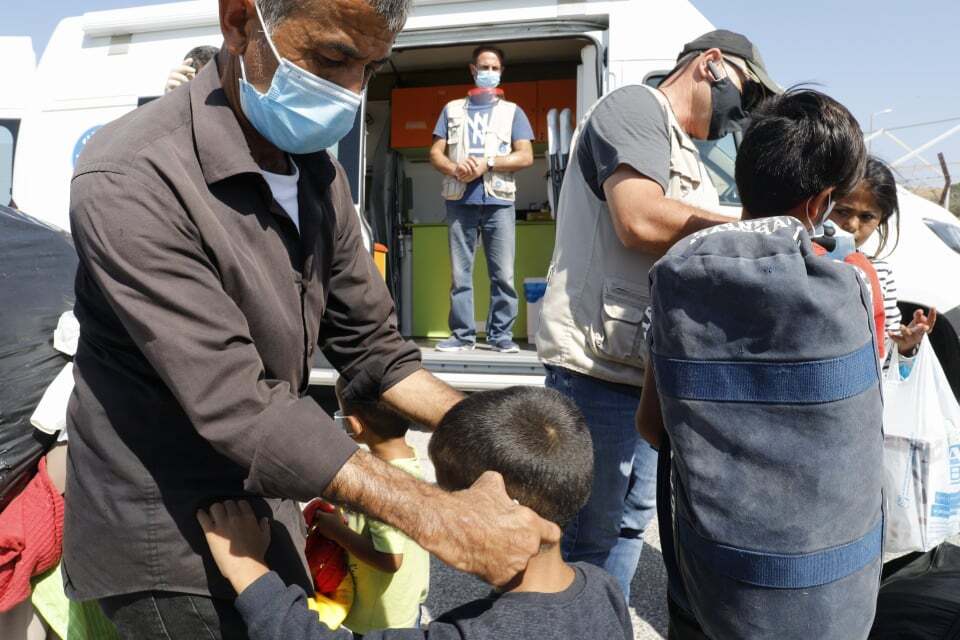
[[634, 187]]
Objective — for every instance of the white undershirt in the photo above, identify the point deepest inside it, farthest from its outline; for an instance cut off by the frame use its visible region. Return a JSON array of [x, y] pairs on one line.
[[284, 189]]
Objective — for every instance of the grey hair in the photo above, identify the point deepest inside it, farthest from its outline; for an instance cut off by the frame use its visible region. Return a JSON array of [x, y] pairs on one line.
[[393, 11]]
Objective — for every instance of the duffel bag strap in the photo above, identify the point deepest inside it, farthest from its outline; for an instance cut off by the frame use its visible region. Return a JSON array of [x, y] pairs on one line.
[[780, 570], [675, 585]]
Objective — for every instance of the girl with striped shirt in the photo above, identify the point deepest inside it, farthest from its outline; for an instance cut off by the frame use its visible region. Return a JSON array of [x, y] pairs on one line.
[[871, 207]]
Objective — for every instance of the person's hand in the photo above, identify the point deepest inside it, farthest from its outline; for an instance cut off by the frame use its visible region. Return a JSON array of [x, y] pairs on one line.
[[910, 335], [485, 533], [181, 74], [237, 541], [329, 524], [463, 171], [478, 167]]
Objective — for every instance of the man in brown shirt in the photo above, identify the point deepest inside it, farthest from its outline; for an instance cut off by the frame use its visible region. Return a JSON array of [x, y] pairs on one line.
[[202, 295]]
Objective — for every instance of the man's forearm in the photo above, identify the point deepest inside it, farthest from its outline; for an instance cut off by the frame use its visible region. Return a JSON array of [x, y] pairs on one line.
[[440, 162], [391, 495], [513, 162], [422, 398], [670, 221], [645, 219], [478, 530]]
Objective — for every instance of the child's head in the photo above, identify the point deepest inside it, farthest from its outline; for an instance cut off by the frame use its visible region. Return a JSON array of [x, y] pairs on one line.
[[535, 438], [870, 206], [802, 151], [371, 421]]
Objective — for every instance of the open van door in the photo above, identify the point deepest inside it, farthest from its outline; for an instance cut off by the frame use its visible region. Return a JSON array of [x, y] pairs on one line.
[[351, 153], [552, 63], [16, 75]]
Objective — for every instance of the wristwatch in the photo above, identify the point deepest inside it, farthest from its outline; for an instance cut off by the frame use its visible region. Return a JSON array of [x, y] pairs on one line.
[[490, 161]]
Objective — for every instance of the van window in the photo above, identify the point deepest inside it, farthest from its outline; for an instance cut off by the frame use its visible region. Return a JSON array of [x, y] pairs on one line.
[[8, 138], [718, 156]]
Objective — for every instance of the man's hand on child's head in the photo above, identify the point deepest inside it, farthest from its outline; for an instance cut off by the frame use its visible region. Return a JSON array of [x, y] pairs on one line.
[[237, 541], [495, 536]]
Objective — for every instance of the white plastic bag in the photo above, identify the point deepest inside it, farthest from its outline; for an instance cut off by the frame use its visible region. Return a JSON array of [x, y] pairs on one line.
[[921, 421]]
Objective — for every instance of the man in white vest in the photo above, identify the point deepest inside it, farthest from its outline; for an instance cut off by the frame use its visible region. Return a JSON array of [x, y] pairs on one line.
[[479, 142], [635, 185]]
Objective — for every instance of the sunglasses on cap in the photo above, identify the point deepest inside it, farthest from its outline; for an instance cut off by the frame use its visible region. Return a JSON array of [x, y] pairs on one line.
[[752, 92], [752, 95]]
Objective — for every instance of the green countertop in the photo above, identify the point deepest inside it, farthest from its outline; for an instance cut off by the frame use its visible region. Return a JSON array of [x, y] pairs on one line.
[[432, 275]]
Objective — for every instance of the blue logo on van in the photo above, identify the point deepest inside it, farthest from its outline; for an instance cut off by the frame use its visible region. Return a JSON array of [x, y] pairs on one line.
[[955, 464], [82, 142]]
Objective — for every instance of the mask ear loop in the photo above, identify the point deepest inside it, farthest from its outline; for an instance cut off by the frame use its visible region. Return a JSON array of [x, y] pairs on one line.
[[256, 5], [263, 26], [810, 227], [823, 217]]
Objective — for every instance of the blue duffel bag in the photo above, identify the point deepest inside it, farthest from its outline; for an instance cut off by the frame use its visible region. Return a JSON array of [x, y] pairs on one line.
[[766, 365]]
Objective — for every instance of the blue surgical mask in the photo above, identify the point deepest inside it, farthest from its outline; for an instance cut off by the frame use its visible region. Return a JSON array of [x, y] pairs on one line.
[[488, 79], [300, 112]]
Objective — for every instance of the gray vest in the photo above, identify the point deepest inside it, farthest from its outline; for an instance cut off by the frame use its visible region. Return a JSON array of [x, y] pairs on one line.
[[766, 365], [590, 320], [497, 142]]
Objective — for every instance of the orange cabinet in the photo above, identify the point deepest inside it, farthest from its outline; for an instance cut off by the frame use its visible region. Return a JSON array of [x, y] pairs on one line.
[[412, 117], [555, 94], [525, 95], [446, 93], [414, 111]]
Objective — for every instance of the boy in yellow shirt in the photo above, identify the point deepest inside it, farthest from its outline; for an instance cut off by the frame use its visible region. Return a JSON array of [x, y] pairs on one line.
[[391, 573]]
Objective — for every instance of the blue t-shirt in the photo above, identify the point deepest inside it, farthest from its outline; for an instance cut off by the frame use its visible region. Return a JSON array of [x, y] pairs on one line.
[[478, 118]]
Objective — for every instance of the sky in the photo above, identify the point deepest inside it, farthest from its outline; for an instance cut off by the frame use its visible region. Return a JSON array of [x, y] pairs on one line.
[[871, 55]]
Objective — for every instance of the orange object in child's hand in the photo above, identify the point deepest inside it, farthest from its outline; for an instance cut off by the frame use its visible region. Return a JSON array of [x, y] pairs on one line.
[[327, 559]]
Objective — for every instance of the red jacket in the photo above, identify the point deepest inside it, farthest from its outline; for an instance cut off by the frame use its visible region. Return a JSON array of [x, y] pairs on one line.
[[31, 537], [863, 263]]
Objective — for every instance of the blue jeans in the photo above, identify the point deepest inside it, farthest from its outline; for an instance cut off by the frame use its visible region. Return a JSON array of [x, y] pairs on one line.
[[608, 530], [497, 225]]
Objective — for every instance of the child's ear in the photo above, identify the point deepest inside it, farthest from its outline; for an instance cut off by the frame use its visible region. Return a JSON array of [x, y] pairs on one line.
[[356, 427]]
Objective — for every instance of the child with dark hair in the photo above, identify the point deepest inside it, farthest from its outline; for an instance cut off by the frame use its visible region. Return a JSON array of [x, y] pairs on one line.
[[534, 438], [538, 442], [801, 154], [872, 207], [759, 291]]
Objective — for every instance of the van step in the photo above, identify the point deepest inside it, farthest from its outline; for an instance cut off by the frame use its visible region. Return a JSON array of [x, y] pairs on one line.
[[474, 370]]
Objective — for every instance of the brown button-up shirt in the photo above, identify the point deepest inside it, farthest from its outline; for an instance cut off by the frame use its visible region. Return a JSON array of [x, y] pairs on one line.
[[200, 308]]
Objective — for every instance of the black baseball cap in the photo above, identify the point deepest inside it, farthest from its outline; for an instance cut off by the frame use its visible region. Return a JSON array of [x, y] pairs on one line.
[[738, 46]]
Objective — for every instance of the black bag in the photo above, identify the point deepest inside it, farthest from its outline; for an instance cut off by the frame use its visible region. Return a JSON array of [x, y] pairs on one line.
[[37, 267], [920, 600]]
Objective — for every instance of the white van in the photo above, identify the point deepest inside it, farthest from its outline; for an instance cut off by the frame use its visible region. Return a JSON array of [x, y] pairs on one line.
[[559, 53], [16, 77]]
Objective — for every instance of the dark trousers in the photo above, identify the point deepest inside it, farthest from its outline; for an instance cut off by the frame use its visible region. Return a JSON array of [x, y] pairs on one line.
[[160, 615], [683, 626]]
